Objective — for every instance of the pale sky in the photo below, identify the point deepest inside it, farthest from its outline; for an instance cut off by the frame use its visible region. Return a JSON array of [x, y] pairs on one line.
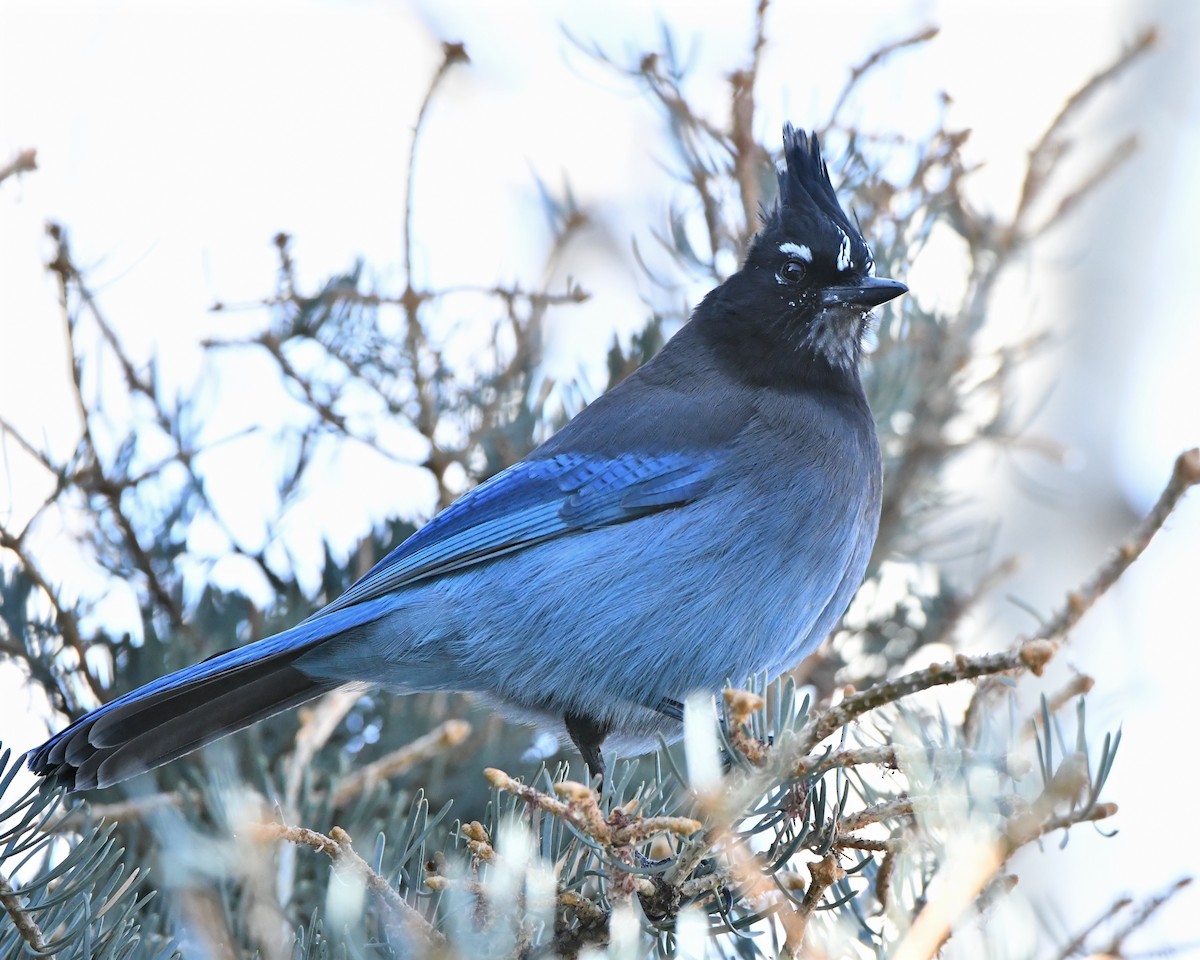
[[174, 142]]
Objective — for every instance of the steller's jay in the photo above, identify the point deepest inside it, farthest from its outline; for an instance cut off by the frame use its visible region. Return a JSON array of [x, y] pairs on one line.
[[708, 518]]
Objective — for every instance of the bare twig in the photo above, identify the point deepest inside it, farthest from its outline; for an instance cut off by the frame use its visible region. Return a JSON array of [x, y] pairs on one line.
[[24, 162], [988, 689], [452, 53], [93, 476], [1032, 654], [338, 848], [961, 606], [26, 926], [444, 736], [373, 298], [1185, 475], [825, 873], [883, 878], [961, 878], [66, 619], [1118, 155], [1076, 944], [324, 409], [863, 843], [318, 723], [134, 810], [1116, 946], [876, 58], [1049, 148], [889, 756], [581, 808], [877, 813], [748, 154]]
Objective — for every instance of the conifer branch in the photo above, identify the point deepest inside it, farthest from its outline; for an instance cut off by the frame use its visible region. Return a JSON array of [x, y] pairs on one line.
[[337, 846], [30, 932]]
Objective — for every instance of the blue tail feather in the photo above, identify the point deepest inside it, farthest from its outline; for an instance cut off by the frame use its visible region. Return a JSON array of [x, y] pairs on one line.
[[184, 710]]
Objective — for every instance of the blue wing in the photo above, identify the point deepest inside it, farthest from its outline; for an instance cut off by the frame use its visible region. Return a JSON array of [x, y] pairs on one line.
[[527, 504], [534, 501]]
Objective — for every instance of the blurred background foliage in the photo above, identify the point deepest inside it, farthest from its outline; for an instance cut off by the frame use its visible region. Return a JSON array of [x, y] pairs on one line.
[[180, 865]]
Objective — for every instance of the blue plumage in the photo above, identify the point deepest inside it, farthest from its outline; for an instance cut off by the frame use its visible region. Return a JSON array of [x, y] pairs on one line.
[[708, 518], [530, 502]]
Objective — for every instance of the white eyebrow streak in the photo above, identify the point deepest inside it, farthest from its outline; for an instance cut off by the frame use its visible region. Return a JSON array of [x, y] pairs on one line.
[[796, 250], [843, 258]]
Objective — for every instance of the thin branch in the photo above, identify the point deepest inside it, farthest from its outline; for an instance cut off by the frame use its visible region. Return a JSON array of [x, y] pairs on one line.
[[1185, 475], [748, 154], [1032, 654], [94, 477], [271, 343], [1079, 685], [41, 457], [1077, 943], [351, 295], [876, 58], [1048, 150], [318, 723], [960, 606], [1116, 946], [65, 618], [581, 808], [414, 334], [883, 878], [134, 810], [964, 876], [1118, 155], [452, 53], [24, 162], [876, 813], [338, 847], [888, 755], [863, 843], [825, 873], [26, 926], [444, 736]]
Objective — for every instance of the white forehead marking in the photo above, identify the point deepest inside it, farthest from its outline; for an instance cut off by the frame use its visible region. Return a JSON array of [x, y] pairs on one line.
[[870, 266], [843, 260], [796, 250]]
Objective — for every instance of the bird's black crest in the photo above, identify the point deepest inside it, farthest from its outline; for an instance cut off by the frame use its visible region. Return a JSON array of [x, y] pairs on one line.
[[808, 205], [804, 180]]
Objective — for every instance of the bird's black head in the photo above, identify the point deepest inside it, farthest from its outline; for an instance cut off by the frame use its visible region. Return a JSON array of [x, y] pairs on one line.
[[808, 283]]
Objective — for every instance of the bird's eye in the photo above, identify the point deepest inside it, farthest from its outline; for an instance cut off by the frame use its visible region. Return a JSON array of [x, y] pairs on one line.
[[792, 271]]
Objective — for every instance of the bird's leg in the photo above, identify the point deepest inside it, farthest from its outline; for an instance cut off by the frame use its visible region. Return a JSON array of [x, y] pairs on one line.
[[587, 734]]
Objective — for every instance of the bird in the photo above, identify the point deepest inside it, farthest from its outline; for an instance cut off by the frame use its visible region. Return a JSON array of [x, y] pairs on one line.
[[707, 519]]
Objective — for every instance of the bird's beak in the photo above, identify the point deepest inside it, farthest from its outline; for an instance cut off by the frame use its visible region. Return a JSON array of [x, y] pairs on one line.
[[869, 292]]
